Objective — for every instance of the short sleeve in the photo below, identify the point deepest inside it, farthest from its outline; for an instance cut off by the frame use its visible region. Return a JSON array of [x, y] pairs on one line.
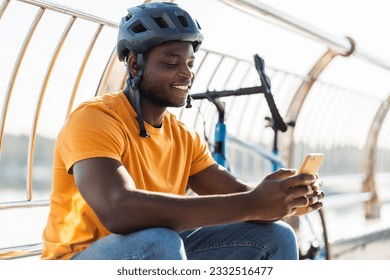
[[91, 132]]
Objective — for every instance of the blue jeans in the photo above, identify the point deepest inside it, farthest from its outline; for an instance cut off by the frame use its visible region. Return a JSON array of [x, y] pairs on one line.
[[241, 241]]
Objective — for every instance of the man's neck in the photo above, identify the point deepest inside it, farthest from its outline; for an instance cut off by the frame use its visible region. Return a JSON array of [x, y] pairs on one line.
[[151, 113]]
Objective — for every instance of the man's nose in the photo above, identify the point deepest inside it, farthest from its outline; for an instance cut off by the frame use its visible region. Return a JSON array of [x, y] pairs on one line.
[[185, 72]]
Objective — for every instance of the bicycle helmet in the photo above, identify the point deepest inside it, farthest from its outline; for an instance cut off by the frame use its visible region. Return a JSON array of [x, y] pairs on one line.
[[149, 25], [152, 24]]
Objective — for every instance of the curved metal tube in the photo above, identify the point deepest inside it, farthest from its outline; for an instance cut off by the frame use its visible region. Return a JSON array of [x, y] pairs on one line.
[[340, 45], [3, 7], [298, 100], [33, 133], [15, 71], [372, 207], [70, 12], [82, 67], [106, 74]]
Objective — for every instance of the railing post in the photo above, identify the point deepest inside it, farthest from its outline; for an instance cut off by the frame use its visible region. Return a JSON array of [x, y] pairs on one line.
[[372, 207], [300, 96]]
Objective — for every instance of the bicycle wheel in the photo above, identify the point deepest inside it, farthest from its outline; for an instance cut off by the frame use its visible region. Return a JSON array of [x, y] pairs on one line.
[[312, 236]]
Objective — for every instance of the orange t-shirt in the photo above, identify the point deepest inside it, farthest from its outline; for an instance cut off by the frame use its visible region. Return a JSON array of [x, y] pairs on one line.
[[106, 127]]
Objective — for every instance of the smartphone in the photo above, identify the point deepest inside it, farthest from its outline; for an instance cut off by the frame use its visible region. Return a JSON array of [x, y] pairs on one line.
[[311, 164]]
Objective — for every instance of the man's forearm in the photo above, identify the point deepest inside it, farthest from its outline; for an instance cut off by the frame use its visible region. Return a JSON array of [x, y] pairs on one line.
[[137, 210]]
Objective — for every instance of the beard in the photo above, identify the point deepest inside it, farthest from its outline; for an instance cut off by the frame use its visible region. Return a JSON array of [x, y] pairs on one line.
[[154, 94], [153, 98]]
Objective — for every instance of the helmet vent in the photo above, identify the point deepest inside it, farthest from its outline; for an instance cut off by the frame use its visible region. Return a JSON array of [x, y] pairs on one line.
[[138, 28], [197, 24], [129, 16], [161, 22], [183, 21]]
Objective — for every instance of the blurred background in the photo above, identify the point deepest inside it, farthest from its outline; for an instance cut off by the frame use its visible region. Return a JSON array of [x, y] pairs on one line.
[[329, 66]]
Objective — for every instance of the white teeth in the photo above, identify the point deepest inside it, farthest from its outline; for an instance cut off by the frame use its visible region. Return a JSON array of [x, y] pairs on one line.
[[181, 87]]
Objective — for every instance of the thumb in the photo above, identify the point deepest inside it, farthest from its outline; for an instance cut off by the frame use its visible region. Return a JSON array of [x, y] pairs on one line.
[[282, 173]]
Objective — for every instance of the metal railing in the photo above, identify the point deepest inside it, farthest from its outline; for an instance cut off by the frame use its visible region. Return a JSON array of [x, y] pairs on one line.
[[74, 15], [341, 45], [209, 59], [336, 46], [26, 250]]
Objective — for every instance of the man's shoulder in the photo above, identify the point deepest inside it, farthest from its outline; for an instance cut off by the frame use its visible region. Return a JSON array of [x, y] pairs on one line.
[[108, 102], [111, 99], [173, 121], [179, 125]]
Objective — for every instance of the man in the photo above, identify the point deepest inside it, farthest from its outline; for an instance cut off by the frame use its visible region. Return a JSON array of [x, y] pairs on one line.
[[122, 166]]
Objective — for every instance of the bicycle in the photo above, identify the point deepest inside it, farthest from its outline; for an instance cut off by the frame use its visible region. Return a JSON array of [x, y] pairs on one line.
[[312, 244]]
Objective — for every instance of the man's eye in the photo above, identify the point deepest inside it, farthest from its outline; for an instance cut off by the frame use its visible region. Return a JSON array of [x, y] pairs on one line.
[[169, 64]]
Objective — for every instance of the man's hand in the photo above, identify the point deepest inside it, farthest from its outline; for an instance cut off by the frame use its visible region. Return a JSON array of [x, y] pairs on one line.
[[314, 200], [282, 192]]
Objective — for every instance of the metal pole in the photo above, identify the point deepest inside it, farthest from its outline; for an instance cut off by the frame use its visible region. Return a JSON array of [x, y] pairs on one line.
[[82, 67], [70, 12], [3, 7]]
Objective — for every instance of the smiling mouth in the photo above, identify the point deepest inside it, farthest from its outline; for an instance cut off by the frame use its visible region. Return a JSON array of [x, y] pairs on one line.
[[182, 87]]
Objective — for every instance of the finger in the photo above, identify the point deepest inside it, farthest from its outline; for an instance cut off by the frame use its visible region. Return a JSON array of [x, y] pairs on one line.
[[307, 209], [320, 194], [313, 199], [300, 180], [301, 201], [316, 196], [282, 173], [314, 207], [317, 184], [300, 191]]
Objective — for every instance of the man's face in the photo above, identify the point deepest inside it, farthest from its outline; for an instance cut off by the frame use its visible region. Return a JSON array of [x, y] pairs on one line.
[[167, 76]]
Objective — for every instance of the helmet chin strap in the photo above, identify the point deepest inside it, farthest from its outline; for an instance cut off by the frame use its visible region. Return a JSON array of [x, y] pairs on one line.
[[133, 82], [189, 99]]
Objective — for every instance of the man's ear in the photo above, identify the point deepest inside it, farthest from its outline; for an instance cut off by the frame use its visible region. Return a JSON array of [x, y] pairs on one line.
[[132, 64]]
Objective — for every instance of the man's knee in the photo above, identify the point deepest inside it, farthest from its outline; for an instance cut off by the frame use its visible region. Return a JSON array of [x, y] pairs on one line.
[[286, 231], [280, 239], [163, 243], [286, 239], [164, 238], [148, 244]]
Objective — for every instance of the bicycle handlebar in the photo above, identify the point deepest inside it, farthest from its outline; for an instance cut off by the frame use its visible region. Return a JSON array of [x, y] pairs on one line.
[[224, 93], [279, 124]]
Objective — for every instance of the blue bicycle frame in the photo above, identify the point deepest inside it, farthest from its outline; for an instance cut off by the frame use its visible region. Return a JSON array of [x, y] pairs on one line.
[[219, 152]]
